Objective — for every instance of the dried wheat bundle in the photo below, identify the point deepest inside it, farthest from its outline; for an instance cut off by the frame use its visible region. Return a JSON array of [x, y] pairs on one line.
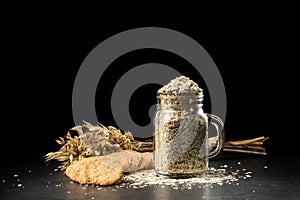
[[94, 140], [99, 140]]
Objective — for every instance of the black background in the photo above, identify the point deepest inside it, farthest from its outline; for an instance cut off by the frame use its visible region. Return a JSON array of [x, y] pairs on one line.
[[255, 51]]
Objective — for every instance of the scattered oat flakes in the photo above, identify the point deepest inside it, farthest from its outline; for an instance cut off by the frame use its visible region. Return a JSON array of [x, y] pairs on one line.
[[145, 178]]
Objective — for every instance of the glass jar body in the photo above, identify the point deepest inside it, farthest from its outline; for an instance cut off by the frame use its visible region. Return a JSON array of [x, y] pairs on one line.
[[181, 145]]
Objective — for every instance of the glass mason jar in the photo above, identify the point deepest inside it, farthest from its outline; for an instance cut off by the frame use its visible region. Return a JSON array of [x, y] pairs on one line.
[[181, 135]]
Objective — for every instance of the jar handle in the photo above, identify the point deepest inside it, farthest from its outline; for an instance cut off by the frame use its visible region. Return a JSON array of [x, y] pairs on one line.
[[216, 144]]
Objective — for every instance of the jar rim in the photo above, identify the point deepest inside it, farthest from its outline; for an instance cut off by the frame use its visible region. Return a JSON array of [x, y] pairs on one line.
[[181, 94]]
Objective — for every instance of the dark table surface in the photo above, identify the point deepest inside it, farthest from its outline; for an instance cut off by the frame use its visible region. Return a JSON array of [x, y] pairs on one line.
[[273, 177]]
